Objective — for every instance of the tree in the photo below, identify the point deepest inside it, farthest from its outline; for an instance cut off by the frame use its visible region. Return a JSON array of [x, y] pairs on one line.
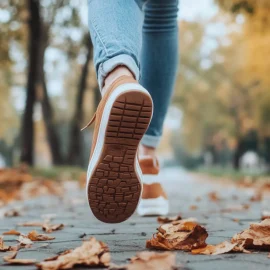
[[44, 40], [253, 48], [34, 51], [75, 149]]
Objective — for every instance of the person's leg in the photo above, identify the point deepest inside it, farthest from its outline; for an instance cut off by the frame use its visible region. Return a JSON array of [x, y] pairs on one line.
[[115, 29], [159, 60], [124, 113]]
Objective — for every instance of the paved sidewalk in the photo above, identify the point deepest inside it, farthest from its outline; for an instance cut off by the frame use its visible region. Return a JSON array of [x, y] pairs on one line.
[[127, 238]]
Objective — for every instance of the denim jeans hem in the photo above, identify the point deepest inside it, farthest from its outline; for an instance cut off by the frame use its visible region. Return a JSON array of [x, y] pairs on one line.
[[151, 141], [119, 60]]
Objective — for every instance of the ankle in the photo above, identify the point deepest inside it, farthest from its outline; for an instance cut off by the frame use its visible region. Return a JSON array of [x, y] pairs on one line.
[[114, 75]]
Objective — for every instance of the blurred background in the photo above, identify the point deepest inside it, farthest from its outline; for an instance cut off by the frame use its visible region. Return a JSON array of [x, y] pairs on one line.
[[218, 123]]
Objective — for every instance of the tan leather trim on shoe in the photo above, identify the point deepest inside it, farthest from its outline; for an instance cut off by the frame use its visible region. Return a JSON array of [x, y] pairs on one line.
[[153, 191], [98, 115], [149, 165]]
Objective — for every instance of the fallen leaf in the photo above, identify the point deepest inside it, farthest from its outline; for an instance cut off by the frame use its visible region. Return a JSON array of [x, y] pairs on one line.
[[236, 208], [12, 213], [12, 260], [34, 236], [198, 199], [52, 227], [41, 187], [265, 215], [47, 227], [3, 247], [150, 261], [10, 182], [224, 247], [11, 232], [268, 256], [236, 220], [261, 183], [31, 224], [256, 237], [57, 256], [213, 196], [24, 240], [257, 197], [163, 219], [193, 207], [91, 253], [184, 234]]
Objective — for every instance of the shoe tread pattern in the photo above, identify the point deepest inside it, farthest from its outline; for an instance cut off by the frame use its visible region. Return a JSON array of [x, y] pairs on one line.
[[114, 189]]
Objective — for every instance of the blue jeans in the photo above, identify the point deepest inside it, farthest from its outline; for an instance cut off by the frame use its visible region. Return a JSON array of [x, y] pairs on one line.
[[143, 36]]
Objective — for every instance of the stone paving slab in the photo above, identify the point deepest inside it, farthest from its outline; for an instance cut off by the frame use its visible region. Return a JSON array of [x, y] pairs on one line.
[[129, 237]]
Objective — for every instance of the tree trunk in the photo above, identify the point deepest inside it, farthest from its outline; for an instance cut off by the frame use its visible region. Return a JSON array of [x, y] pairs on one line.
[[27, 129], [52, 136], [237, 155], [75, 149], [47, 110]]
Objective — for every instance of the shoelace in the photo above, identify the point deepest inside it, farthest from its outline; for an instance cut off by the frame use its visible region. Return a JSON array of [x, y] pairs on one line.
[[90, 122]]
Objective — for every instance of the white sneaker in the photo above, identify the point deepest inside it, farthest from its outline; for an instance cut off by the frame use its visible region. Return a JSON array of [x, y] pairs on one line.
[[154, 200]]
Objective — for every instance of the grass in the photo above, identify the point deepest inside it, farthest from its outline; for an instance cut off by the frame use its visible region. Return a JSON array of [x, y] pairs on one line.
[[58, 172], [231, 173]]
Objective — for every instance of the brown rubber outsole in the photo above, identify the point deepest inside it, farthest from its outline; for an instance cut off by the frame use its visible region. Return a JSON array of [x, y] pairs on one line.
[[114, 189]]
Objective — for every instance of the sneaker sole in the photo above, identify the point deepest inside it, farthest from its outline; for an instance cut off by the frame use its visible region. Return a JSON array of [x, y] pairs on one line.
[[114, 176]]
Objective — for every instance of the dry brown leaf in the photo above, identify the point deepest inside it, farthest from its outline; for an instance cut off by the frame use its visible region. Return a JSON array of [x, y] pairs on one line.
[[12, 260], [163, 219], [34, 236], [10, 182], [47, 227], [52, 227], [213, 196], [193, 207], [3, 247], [17, 183], [31, 224], [41, 187], [185, 234], [150, 261], [237, 220], [265, 215], [224, 247], [261, 183], [24, 240], [236, 208], [11, 232], [91, 253], [256, 237], [12, 213], [257, 197], [198, 199], [56, 256]]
